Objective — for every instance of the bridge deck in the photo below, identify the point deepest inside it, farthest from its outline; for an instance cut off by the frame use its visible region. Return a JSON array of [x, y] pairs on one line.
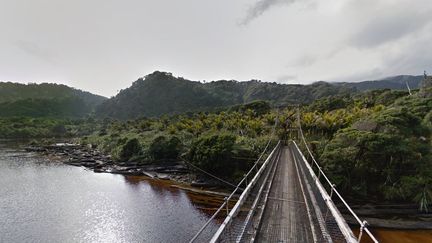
[[285, 218]]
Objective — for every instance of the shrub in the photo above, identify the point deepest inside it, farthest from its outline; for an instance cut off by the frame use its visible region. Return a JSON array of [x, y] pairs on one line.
[[214, 154], [164, 148], [131, 148]]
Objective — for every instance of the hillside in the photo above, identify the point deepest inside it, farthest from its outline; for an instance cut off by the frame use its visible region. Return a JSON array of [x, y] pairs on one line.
[[162, 93], [396, 82], [41, 100], [374, 145]]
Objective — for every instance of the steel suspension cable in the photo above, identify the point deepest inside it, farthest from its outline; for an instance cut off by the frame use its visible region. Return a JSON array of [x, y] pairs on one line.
[[225, 203], [210, 174], [363, 224], [259, 158]]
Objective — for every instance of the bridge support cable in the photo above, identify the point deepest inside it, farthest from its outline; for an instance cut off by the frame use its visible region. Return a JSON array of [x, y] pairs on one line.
[[250, 184], [236, 209], [253, 219], [334, 220], [272, 133], [211, 175]]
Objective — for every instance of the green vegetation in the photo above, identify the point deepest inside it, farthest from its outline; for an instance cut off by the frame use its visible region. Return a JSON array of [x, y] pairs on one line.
[[45, 100], [229, 139], [161, 93], [375, 145], [10, 92], [24, 128], [163, 148]]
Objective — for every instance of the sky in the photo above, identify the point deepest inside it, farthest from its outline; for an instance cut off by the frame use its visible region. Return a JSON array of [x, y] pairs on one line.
[[102, 46]]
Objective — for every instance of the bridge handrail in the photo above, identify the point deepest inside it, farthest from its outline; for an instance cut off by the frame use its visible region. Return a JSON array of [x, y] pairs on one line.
[[241, 198], [343, 226], [363, 224], [238, 187]]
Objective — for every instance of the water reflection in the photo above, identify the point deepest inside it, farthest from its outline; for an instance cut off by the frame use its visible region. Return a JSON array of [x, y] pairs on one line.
[[46, 201]]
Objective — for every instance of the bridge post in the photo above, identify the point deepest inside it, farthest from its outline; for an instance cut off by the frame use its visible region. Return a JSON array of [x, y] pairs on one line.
[[331, 195], [227, 205], [362, 226]]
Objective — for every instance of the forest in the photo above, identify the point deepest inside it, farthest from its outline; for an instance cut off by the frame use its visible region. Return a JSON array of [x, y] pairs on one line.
[[375, 145], [45, 100], [161, 93]]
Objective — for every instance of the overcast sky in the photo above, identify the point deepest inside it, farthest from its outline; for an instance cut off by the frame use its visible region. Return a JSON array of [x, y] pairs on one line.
[[104, 45]]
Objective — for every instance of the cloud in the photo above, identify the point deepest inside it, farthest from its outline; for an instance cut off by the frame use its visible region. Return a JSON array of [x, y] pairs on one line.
[[262, 6], [413, 56], [390, 26], [35, 50], [286, 78], [304, 61]]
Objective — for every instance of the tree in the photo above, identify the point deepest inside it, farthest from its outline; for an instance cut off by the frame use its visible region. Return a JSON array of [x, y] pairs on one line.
[[164, 148], [214, 154], [130, 149]]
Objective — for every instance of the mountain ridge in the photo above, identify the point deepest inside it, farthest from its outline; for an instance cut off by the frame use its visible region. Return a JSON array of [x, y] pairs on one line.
[[161, 93], [46, 100]]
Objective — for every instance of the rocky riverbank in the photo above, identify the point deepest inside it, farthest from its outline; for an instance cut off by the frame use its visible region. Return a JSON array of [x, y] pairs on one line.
[[402, 216], [396, 216], [95, 160]]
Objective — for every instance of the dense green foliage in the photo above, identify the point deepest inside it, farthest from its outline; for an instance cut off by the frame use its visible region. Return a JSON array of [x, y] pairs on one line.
[[165, 148], [45, 100], [374, 145], [395, 83], [10, 92], [161, 93], [130, 149], [57, 107], [19, 127], [380, 148], [224, 143]]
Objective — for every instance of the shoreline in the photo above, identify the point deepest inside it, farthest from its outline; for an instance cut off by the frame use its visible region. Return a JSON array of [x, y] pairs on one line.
[[94, 160], [181, 176]]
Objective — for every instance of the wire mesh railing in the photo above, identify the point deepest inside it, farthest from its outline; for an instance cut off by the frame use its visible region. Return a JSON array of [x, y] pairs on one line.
[[326, 217], [244, 225], [333, 220], [250, 179]]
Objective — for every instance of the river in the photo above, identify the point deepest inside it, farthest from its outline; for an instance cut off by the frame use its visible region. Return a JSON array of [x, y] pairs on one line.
[[46, 201]]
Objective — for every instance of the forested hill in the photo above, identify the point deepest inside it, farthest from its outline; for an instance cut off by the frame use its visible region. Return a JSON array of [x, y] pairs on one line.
[[162, 93], [16, 91], [45, 100], [396, 82]]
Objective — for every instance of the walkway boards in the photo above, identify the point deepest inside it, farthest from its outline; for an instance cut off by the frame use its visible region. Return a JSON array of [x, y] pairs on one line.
[[285, 218]]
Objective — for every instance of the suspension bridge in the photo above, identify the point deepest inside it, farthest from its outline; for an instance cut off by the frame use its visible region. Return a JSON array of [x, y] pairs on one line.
[[285, 198]]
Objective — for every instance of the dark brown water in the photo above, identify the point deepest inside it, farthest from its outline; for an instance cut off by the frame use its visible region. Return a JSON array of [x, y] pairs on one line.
[[403, 236], [399, 236], [45, 201]]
